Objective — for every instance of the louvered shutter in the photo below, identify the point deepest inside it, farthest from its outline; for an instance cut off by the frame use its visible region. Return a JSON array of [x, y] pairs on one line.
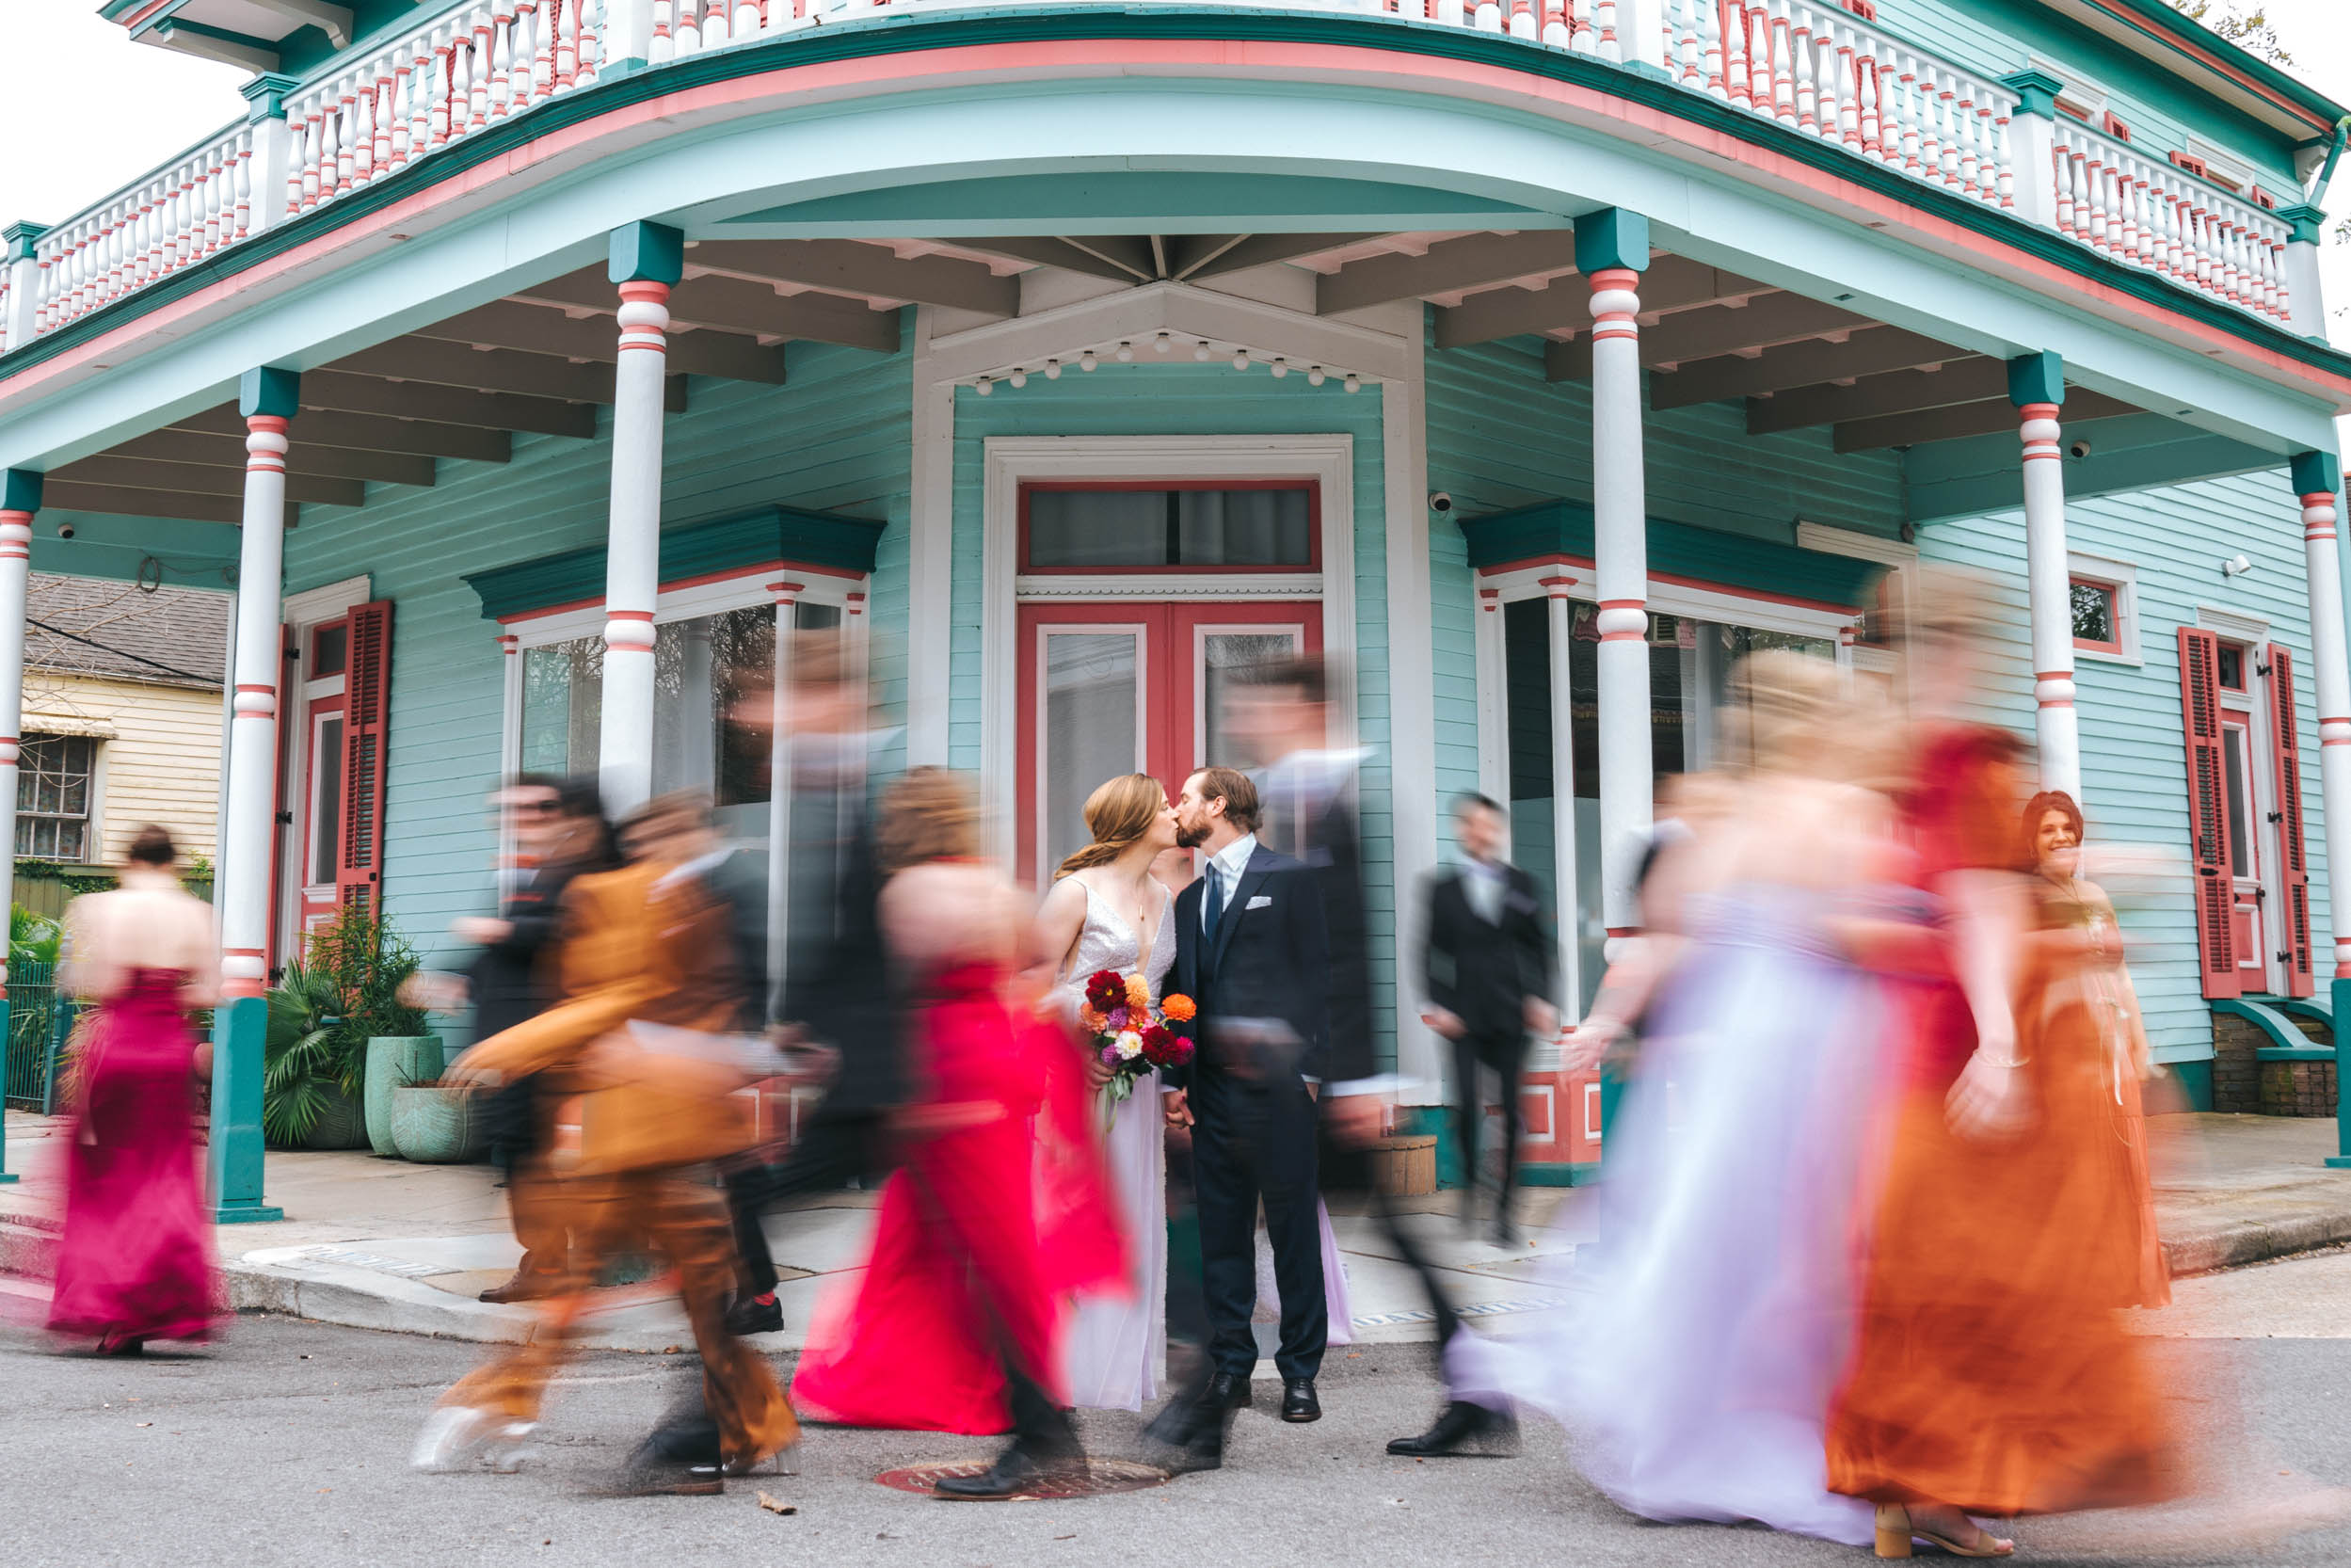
[[2208, 812], [2287, 749], [367, 696]]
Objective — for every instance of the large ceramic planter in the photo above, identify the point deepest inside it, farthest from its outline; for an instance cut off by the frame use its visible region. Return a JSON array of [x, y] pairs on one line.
[[434, 1126], [341, 1125], [394, 1061]]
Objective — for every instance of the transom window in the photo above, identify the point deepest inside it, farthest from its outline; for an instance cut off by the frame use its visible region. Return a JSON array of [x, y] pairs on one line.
[[1169, 527], [53, 796], [2233, 666]]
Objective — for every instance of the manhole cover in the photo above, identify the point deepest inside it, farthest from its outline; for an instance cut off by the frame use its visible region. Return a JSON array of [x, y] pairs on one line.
[[1097, 1477]]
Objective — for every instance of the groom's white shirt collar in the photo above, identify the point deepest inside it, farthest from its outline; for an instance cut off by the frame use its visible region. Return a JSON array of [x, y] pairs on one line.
[[1225, 866]]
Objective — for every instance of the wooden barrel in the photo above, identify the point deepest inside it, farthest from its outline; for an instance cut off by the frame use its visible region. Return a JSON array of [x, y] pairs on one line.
[[1405, 1167]]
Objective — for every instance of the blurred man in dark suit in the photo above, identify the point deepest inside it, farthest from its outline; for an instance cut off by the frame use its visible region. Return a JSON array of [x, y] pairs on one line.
[[1486, 960]]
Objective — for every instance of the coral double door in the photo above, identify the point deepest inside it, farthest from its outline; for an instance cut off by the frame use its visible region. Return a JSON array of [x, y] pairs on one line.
[[1110, 686]]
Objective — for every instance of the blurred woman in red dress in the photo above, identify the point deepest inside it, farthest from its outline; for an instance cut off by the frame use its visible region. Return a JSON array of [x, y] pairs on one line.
[[135, 1263], [954, 1324]]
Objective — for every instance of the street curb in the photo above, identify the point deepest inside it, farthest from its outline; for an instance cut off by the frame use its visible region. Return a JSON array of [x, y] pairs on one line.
[[2256, 1241]]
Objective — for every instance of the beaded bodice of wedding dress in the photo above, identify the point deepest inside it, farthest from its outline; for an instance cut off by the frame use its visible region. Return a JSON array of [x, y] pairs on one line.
[[1105, 942]]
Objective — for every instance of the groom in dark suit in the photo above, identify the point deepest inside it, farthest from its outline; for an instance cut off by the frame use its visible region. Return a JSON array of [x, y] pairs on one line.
[[1252, 951]]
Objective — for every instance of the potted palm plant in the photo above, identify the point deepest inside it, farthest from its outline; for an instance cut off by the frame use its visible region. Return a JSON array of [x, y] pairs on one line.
[[311, 1077]]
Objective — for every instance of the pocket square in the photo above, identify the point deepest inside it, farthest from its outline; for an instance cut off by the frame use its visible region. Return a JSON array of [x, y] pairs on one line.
[[1261, 902]]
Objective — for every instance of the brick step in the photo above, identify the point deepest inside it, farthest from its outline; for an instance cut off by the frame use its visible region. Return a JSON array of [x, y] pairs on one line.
[[28, 1246]]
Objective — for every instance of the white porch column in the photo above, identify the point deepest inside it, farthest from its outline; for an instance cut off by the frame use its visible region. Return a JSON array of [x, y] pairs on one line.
[[2037, 387], [1612, 251], [1639, 34], [2318, 481], [647, 258], [20, 498], [23, 273], [268, 398], [272, 156], [2305, 294], [1560, 611], [2033, 135], [787, 596]]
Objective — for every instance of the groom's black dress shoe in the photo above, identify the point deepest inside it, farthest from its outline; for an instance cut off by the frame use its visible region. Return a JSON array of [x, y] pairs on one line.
[[1229, 1391], [1298, 1401], [1464, 1429], [1018, 1469]]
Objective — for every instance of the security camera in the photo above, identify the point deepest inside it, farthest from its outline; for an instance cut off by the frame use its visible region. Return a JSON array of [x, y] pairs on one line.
[[1440, 502], [65, 530], [2079, 449]]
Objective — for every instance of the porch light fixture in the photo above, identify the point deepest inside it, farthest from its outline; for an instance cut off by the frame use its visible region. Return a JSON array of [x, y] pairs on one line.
[[1052, 370], [2236, 565], [1087, 360], [1126, 353], [1162, 344], [1019, 378], [1281, 367], [1240, 359], [1354, 383], [1315, 377], [1203, 353], [983, 386]]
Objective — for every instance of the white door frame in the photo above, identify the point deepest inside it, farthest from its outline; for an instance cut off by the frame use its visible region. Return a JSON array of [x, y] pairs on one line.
[[1011, 461]]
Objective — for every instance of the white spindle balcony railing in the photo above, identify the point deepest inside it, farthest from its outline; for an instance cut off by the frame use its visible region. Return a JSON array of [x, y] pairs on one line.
[[1811, 65], [2154, 214]]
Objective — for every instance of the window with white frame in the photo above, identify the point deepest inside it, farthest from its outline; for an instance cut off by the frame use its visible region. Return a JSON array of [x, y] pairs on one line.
[[53, 796], [2102, 601], [713, 644]]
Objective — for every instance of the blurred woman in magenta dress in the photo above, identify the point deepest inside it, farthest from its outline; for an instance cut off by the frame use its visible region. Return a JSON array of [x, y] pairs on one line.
[[136, 1261]]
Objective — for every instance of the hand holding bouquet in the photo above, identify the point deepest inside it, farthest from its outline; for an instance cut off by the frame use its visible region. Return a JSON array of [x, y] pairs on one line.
[[1129, 1034]]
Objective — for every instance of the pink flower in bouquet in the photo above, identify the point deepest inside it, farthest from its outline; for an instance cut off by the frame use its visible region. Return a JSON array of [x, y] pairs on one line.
[[1110, 1056], [1118, 1018]]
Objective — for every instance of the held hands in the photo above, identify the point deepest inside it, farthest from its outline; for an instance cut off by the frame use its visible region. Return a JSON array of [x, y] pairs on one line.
[[1990, 1100], [1358, 1121], [1176, 1107], [1587, 1045]]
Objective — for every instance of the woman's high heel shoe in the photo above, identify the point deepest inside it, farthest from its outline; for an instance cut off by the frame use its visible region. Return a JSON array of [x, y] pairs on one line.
[[1896, 1529]]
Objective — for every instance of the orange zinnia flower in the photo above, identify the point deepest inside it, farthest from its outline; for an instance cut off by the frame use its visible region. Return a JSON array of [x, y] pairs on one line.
[[1178, 1007], [1094, 1022]]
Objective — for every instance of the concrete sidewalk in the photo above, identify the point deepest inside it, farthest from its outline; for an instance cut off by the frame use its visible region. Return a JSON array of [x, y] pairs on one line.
[[381, 1243]]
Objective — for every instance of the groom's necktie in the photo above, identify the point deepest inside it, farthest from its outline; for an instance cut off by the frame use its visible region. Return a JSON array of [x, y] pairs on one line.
[[1212, 904]]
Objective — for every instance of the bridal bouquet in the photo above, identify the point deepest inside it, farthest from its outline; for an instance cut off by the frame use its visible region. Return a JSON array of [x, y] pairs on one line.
[[1131, 1035]]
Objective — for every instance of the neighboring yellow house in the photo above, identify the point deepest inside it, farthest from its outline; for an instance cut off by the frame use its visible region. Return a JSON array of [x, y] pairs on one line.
[[123, 718]]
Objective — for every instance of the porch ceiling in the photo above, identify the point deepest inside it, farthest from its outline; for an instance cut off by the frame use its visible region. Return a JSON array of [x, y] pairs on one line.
[[542, 360]]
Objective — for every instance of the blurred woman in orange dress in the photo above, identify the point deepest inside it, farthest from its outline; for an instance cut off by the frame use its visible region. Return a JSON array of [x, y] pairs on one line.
[[1992, 1371]]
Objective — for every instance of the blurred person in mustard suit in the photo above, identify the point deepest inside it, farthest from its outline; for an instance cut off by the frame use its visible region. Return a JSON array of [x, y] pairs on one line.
[[648, 975]]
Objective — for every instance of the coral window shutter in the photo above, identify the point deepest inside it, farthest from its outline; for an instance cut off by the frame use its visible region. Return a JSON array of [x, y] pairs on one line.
[[2288, 751], [2208, 812], [367, 698]]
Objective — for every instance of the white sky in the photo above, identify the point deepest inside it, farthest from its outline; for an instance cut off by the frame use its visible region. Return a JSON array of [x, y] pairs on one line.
[[58, 60]]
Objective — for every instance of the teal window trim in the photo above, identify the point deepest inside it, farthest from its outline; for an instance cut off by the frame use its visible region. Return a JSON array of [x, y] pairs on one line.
[[905, 34], [782, 536], [1708, 556]]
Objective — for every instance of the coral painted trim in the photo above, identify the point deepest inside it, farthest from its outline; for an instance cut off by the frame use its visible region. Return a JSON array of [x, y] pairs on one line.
[[902, 63]]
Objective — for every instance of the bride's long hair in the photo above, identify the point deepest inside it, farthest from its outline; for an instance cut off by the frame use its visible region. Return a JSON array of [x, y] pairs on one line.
[[1119, 811]]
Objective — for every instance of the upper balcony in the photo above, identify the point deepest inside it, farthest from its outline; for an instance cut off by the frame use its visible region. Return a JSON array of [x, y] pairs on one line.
[[400, 97]]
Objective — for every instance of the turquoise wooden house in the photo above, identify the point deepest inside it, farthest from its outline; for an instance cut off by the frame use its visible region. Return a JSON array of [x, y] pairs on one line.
[[532, 361]]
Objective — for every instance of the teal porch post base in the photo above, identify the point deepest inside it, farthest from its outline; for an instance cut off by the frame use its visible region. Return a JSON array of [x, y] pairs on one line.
[[6, 1174], [232, 1158], [2338, 993]]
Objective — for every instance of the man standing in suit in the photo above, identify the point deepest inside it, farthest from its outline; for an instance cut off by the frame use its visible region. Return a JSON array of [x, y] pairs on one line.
[[1487, 965], [1251, 951]]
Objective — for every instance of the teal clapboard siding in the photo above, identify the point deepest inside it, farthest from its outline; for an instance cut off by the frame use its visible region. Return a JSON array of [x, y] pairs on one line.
[[1143, 399], [2134, 766], [837, 439], [1997, 37]]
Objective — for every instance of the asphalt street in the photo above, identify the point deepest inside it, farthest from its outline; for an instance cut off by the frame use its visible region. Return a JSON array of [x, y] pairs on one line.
[[287, 1443]]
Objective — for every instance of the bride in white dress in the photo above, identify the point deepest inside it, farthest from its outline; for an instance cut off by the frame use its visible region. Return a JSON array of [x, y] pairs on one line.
[[1107, 911]]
